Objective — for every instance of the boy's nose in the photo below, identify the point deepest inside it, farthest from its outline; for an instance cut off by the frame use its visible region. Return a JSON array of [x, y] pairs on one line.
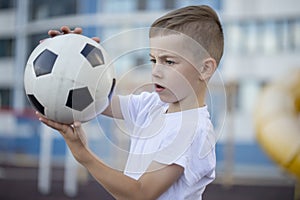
[[156, 71]]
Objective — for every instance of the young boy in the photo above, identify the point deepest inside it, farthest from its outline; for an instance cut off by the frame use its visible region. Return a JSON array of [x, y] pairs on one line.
[[172, 148]]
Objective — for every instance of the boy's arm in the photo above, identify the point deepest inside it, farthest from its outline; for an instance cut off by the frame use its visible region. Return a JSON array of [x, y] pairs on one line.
[[114, 109], [150, 185]]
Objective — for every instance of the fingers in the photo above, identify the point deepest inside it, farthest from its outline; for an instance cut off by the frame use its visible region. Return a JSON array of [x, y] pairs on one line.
[[64, 30], [53, 33], [67, 30], [96, 39], [63, 128], [77, 30]]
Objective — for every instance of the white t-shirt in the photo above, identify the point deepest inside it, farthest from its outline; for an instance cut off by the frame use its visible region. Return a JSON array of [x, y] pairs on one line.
[[184, 138]]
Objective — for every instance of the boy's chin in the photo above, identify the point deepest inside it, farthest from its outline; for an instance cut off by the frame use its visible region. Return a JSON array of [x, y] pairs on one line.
[[166, 98]]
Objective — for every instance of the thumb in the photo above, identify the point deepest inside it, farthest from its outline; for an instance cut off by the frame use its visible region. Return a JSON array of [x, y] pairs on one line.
[[80, 132], [77, 124]]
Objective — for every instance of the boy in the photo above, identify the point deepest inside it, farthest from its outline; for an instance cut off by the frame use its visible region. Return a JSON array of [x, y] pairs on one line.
[[171, 154]]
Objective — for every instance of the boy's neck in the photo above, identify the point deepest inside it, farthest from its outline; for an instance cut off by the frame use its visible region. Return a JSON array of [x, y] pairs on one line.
[[188, 103]]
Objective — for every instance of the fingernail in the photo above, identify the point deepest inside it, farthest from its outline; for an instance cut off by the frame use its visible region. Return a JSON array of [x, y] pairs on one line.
[[77, 124]]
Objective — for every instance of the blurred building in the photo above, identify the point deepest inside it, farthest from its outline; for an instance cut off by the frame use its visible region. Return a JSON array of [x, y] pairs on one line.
[[262, 42]]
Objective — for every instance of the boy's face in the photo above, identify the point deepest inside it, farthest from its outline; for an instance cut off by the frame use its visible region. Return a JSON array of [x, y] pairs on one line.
[[175, 70]]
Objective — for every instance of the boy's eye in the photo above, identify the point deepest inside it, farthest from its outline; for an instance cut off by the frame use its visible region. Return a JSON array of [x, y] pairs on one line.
[[170, 62], [153, 60]]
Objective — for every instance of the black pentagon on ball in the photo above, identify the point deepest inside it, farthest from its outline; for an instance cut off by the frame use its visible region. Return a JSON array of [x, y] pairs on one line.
[[93, 55], [79, 98], [43, 64], [36, 104]]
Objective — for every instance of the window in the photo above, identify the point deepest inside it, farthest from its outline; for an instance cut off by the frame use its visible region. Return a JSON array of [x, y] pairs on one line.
[[154, 5], [169, 4], [236, 36], [263, 36], [295, 34], [119, 6], [41, 9], [142, 5], [270, 37], [33, 41], [6, 47], [4, 4], [5, 97]]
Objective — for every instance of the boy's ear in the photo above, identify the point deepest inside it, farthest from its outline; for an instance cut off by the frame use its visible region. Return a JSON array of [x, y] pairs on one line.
[[209, 66]]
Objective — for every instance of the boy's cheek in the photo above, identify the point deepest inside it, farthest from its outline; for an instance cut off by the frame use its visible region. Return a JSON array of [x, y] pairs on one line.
[[179, 84]]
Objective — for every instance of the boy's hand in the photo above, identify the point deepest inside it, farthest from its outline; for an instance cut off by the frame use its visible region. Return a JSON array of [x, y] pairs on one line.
[[67, 30], [64, 30], [74, 137]]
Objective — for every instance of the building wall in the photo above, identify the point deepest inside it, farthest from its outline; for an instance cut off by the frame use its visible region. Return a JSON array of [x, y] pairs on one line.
[[262, 41]]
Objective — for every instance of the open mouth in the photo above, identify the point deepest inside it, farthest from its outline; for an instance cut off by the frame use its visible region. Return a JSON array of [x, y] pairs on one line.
[[159, 88]]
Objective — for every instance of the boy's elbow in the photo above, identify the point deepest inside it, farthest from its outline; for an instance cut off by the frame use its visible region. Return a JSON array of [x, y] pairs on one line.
[[138, 192]]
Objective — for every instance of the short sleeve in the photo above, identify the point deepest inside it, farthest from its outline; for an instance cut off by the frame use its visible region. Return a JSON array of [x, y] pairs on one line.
[[196, 167], [126, 104], [135, 108]]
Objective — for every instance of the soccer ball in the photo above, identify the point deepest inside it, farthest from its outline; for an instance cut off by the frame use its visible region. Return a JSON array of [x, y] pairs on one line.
[[69, 78]]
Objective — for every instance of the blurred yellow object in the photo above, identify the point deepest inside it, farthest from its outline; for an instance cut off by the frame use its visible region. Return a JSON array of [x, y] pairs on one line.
[[277, 121]]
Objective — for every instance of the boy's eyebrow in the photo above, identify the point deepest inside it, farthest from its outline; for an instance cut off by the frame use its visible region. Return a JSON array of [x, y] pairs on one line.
[[163, 55]]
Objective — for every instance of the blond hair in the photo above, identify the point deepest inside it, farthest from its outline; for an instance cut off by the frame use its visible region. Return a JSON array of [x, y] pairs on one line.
[[201, 23]]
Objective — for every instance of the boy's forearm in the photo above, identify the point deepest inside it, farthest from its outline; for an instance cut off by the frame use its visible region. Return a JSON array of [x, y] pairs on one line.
[[115, 182]]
